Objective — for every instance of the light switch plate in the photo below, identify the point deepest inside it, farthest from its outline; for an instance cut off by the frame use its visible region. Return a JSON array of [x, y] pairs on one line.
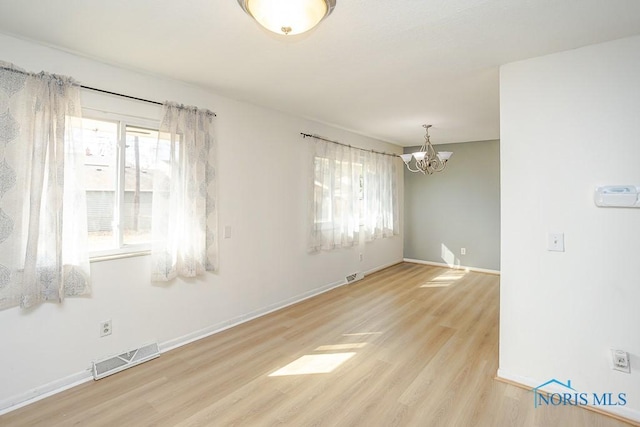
[[555, 242]]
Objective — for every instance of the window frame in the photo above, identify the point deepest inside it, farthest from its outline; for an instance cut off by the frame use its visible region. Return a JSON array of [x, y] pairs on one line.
[[120, 249]]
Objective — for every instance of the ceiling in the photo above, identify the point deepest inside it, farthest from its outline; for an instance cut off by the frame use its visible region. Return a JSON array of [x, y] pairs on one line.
[[379, 68]]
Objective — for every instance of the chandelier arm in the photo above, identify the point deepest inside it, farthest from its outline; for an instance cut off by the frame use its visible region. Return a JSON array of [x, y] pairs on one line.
[[425, 166], [411, 170], [440, 165]]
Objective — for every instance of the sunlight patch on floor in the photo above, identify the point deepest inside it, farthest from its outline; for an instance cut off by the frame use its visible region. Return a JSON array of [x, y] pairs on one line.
[[348, 346], [361, 334], [314, 364], [445, 279]]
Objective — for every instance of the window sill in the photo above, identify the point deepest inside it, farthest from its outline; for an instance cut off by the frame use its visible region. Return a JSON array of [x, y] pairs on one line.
[[118, 255]]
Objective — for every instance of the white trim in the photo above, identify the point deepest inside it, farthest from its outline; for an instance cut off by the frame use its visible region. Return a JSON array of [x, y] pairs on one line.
[[455, 267], [620, 411], [219, 327], [382, 267], [101, 114], [118, 254], [222, 326], [44, 391], [62, 384]]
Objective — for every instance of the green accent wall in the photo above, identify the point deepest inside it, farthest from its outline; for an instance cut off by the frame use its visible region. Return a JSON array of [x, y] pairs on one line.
[[456, 208]]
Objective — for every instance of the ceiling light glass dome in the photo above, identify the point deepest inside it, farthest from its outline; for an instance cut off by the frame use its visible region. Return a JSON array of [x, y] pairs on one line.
[[288, 17]]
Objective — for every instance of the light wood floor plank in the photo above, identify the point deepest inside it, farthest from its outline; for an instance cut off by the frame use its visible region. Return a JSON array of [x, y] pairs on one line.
[[419, 347]]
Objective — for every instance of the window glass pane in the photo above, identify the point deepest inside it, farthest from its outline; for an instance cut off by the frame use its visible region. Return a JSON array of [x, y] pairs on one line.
[[333, 186], [140, 156], [101, 142]]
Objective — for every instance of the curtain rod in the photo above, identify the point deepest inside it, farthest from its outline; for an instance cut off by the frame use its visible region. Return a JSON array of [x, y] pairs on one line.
[[121, 95], [306, 135], [15, 70], [128, 96]]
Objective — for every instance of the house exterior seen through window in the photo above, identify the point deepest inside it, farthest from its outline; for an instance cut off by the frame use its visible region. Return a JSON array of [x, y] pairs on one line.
[[119, 161]]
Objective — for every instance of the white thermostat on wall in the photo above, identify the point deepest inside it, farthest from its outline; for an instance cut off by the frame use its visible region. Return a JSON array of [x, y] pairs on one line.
[[625, 196]]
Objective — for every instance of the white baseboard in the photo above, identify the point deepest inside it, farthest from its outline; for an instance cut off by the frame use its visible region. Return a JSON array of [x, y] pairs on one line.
[[219, 327], [66, 383], [44, 391], [382, 267], [62, 384], [525, 382], [455, 267]]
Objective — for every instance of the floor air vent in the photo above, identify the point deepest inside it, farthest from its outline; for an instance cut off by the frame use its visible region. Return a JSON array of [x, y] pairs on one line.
[[354, 277], [111, 365]]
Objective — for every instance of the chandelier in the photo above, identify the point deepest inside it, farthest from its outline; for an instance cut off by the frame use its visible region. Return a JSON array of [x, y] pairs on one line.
[[288, 17], [427, 159]]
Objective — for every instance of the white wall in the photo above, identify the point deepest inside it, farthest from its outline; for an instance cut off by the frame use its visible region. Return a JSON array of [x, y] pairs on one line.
[[264, 265], [569, 122]]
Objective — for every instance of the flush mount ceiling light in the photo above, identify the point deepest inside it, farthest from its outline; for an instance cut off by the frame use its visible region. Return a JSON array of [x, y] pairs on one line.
[[427, 160], [288, 17]]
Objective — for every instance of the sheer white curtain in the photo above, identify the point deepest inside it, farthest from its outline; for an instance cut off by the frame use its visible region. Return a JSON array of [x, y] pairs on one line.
[[381, 213], [335, 207], [184, 199], [43, 221]]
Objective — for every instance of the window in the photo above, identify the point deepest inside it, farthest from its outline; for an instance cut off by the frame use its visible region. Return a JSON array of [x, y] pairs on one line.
[[336, 196], [341, 183], [381, 214], [119, 162], [352, 189]]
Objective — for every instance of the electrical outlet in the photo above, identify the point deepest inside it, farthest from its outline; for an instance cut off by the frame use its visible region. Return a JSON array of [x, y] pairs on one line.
[[105, 328], [621, 361], [463, 251], [361, 257]]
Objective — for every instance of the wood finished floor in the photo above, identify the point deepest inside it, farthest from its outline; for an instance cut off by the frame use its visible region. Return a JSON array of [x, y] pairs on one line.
[[418, 346]]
